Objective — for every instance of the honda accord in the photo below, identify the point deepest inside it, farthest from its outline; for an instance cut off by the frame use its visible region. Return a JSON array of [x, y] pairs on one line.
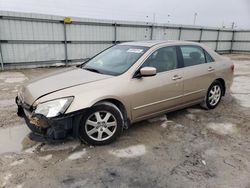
[[124, 84]]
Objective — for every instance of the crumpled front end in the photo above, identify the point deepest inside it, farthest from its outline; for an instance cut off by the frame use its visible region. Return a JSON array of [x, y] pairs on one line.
[[48, 129]]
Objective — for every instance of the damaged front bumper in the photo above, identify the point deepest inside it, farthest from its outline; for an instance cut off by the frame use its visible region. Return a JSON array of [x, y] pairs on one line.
[[49, 129]]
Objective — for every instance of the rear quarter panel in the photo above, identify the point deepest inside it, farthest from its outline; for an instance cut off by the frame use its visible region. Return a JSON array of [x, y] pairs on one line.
[[222, 67], [224, 71]]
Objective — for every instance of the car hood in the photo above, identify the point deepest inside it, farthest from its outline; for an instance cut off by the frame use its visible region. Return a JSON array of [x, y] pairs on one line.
[[58, 81]]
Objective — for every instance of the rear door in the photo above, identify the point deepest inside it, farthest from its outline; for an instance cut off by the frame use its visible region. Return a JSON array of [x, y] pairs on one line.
[[164, 90], [198, 70]]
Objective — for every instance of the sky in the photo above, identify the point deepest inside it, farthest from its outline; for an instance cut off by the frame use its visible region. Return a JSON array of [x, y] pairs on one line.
[[215, 13]]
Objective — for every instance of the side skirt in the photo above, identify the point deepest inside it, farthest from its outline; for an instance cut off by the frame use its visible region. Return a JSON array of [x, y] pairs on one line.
[[168, 110]]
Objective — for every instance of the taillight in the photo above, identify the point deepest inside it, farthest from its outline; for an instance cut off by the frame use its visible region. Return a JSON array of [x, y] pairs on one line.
[[232, 67]]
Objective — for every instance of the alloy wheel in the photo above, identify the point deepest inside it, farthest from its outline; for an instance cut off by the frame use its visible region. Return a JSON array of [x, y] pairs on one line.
[[214, 95], [101, 125]]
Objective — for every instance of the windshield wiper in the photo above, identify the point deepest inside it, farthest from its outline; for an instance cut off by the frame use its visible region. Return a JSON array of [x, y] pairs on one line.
[[92, 70]]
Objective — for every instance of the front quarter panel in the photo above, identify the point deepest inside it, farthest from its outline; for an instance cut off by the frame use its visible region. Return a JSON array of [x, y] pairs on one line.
[[87, 95]]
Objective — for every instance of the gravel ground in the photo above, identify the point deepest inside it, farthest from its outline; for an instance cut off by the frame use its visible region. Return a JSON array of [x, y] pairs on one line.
[[187, 148]]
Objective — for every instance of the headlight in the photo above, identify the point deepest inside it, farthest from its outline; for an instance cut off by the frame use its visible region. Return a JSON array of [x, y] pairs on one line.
[[53, 108]]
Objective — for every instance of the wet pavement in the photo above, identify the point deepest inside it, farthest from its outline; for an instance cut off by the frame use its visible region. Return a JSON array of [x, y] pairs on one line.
[[13, 139], [187, 148]]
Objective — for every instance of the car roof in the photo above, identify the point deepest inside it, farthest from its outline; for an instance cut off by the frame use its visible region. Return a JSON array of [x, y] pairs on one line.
[[150, 43]]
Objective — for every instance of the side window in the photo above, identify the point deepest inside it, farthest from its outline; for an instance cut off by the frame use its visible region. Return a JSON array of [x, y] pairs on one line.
[[192, 55], [208, 57], [163, 59]]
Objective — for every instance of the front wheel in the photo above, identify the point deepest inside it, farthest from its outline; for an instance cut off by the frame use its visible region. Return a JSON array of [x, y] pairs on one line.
[[214, 95], [101, 124]]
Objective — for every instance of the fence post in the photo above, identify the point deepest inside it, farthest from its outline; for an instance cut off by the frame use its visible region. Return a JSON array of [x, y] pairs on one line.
[[1, 54], [217, 40], [65, 43], [152, 32], [200, 38], [115, 33], [179, 38], [232, 41]]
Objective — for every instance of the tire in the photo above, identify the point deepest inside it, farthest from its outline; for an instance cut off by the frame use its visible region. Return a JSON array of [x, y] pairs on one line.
[[212, 100], [101, 124]]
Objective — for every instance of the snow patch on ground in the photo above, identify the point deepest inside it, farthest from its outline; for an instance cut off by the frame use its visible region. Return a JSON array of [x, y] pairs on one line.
[[222, 128], [241, 90], [157, 119], [164, 124], [129, 152], [6, 103], [19, 186], [243, 99], [241, 68], [6, 179], [191, 116], [12, 77], [163, 119], [179, 126], [46, 157], [70, 145], [32, 149], [58, 64], [9, 156], [204, 162], [14, 80], [14, 91], [18, 162], [77, 155], [241, 85], [194, 110]]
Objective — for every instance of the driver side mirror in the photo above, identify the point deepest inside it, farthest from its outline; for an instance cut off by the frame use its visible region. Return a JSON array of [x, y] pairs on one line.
[[147, 72]]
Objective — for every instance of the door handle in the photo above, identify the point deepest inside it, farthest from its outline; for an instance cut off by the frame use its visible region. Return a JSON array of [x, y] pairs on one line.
[[210, 69], [176, 77]]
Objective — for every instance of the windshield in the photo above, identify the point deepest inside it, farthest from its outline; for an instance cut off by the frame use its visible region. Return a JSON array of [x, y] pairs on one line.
[[115, 60]]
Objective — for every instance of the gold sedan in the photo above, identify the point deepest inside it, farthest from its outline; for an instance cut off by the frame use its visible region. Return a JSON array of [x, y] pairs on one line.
[[125, 83]]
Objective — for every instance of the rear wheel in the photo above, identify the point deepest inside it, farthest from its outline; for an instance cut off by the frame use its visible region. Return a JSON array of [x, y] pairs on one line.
[[101, 124], [214, 95]]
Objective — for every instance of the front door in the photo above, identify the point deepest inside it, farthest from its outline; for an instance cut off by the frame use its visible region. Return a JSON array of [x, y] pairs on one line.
[[162, 91]]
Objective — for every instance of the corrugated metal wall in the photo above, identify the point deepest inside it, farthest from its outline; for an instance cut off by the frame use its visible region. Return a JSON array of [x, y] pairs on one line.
[[34, 39], [241, 41]]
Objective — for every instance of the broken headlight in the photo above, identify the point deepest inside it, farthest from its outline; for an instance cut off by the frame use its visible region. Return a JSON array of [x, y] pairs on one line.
[[53, 108]]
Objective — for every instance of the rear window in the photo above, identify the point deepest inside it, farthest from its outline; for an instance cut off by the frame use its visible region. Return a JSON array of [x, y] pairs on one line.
[[192, 55]]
